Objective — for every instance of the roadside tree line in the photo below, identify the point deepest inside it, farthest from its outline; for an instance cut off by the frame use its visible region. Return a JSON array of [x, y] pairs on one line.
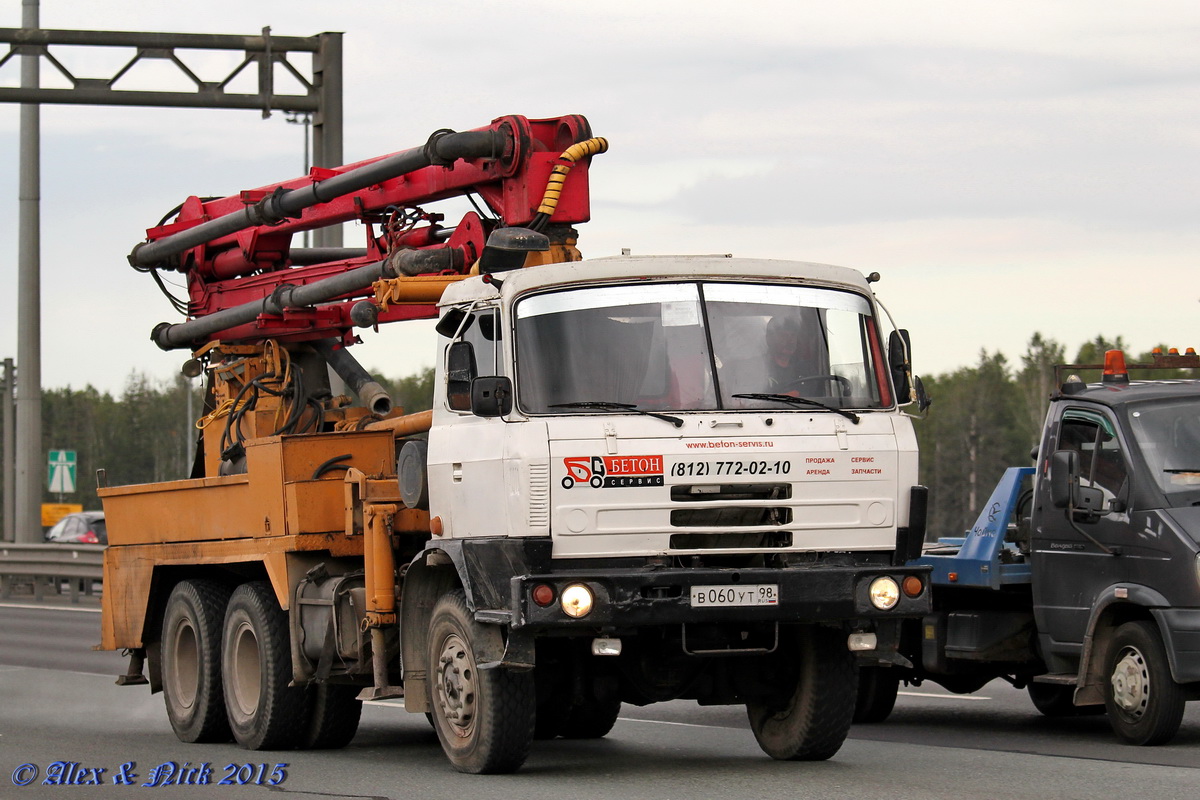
[[142, 435], [984, 418]]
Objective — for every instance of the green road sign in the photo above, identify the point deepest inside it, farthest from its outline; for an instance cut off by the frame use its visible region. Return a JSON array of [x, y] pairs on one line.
[[62, 471]]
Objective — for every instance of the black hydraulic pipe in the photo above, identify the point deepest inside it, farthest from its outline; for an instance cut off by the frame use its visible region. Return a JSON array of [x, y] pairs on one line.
[[184, 334], [373, 396], [443, 147], [307, 256]]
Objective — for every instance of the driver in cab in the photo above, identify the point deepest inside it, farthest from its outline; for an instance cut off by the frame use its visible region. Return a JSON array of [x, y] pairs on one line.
[[791, 355]]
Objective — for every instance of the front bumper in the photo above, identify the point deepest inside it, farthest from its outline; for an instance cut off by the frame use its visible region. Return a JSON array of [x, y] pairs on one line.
[[633, 598]]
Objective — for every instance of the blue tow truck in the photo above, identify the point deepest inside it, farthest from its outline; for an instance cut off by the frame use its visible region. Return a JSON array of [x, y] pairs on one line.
[[1080, 579]]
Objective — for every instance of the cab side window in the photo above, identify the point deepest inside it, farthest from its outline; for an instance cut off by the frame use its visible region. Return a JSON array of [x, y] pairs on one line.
[[484, 336], [1101, 463]]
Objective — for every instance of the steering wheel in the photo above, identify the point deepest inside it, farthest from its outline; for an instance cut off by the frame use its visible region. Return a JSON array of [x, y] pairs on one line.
[[798, 384]]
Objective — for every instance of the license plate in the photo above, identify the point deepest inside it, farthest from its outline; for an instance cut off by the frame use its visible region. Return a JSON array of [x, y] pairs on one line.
[[731, 596]]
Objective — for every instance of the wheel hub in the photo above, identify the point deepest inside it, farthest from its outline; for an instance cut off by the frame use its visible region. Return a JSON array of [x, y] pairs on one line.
[[1131, 682], [456, 685]]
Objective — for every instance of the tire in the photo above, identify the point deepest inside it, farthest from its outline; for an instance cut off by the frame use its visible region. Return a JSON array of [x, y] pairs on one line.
[[810, 720], [1144, 704], [483, 718], [550, 717], [877, 689], [191, 661], [333, 714], [1058, 701], [264, 712], [592, 718]]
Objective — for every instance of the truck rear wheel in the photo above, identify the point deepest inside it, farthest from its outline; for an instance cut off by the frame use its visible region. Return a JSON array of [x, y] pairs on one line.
[[191, 661], [264, 712], [333, 714], [484, 718], [1144, 704], [877, 690], [809, 720], [591, 718]]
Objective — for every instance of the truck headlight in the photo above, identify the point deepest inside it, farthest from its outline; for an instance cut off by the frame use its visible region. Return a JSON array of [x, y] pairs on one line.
[[576, 600], [884, 593]]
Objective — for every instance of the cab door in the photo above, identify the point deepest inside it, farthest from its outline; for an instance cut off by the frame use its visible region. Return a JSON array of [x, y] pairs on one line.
[[1070, 565], [467, 455]]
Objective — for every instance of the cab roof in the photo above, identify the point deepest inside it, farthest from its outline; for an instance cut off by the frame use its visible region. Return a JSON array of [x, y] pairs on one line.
[[625, 268], [1119, 394]]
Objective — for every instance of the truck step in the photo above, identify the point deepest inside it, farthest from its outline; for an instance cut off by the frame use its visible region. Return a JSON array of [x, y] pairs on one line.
[[1062, 678]]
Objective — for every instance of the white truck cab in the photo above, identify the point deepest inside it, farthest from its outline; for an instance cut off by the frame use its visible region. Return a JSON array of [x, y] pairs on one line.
[[669, 477]]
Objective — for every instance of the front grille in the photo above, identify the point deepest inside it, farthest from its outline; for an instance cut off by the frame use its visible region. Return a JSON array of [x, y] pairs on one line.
[[730, 541], [724, 492]]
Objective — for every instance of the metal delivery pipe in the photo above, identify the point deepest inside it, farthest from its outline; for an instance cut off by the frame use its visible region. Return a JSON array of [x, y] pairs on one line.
[[442, 147], [373, 396], [183, 334]]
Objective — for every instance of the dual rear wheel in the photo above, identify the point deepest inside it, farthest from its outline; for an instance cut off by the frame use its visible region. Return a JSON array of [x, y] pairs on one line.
[[226, 666]]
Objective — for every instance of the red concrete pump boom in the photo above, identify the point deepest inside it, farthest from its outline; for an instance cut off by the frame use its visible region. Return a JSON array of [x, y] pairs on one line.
[[247, 283]]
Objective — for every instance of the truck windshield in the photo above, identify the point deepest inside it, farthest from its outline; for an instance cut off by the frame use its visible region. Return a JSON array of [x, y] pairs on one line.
[[695, 346], [1168, 434]]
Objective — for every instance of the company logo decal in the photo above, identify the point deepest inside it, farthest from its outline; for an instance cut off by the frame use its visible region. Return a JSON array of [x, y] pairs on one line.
[[607, 472]]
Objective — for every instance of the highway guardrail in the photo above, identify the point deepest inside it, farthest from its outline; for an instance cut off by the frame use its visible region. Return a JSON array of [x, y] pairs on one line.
[[47, 565]]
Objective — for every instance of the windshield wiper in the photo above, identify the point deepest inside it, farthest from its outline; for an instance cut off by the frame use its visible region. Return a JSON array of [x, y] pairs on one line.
[[799, 401], [602, 405], [1181, 471]]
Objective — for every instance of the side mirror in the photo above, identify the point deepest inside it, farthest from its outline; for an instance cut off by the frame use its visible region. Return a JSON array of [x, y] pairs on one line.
[[924, 401], [1064, 469], [1065, 492], [899, 352], [491, 396], [460, 372]]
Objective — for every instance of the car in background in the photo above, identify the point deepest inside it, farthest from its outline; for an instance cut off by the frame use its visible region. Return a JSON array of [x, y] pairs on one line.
[[81, 527]]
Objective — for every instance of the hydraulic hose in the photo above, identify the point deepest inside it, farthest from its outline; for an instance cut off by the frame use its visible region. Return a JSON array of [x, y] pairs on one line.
[[443, 147], [558, 175]]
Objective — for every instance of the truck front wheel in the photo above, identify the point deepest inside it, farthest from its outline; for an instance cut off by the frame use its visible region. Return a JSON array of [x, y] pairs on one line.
[[191, 661], [264, 712], [809, 720], [484, 718], [1144, 704]]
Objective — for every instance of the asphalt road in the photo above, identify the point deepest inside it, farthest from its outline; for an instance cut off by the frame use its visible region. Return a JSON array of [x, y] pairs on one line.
[[58, 702]]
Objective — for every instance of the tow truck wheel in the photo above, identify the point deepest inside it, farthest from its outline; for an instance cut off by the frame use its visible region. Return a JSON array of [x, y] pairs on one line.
[[809, 721], [1144, 704], [333, 713], [1056, 700], [191, 661], [877, 690], [484, 718], [264, 712]]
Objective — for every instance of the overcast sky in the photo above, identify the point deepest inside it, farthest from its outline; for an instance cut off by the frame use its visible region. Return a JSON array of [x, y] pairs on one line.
[[1007, 167]]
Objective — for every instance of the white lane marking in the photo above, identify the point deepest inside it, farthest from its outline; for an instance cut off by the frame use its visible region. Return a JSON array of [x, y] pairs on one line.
[[664, 722], [622, 719], [945, 696], [50, 608]]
